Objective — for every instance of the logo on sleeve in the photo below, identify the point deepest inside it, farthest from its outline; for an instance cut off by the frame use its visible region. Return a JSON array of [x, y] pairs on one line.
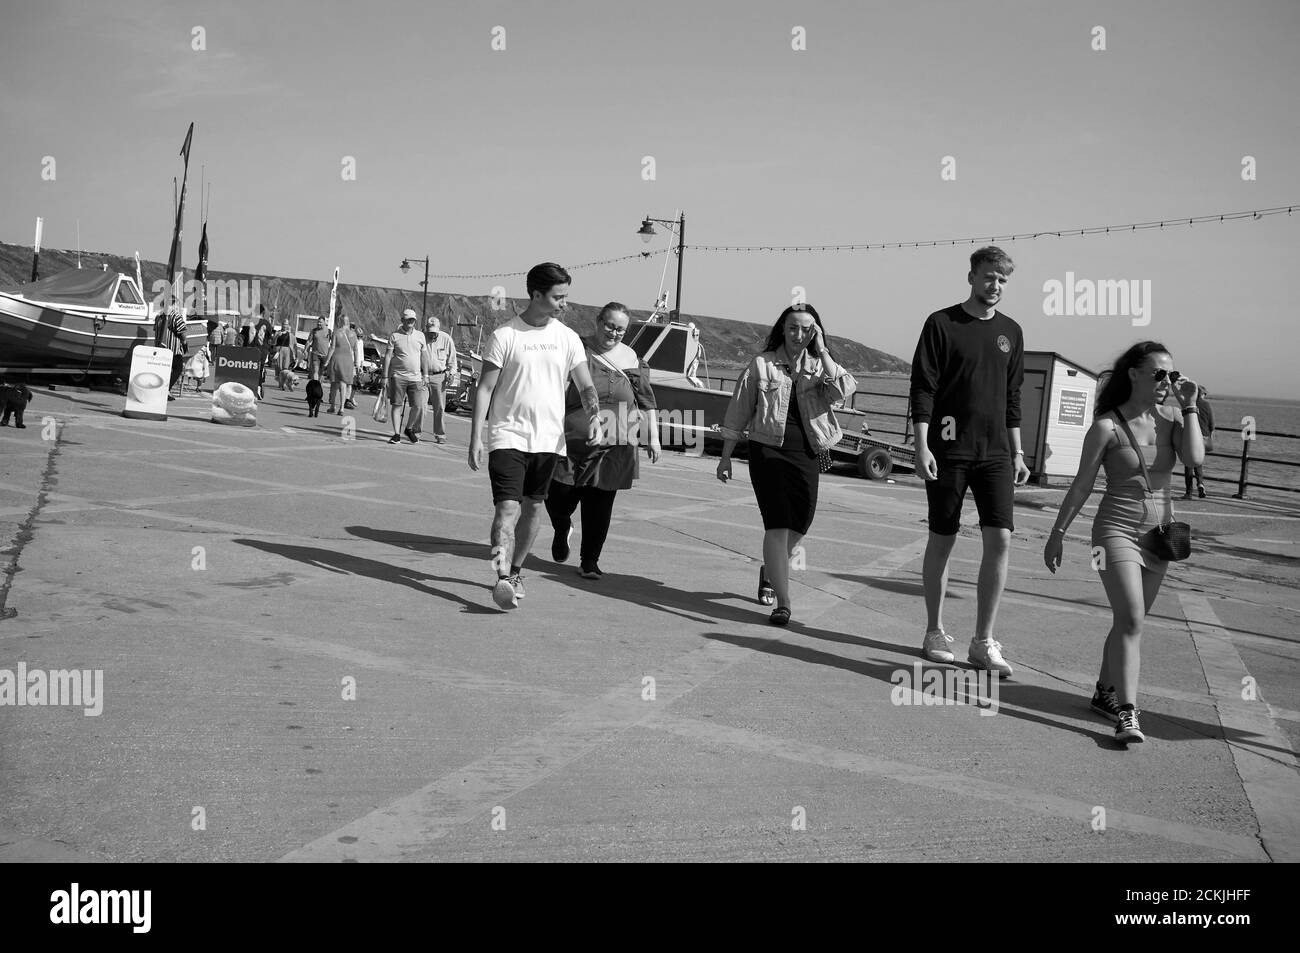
[[1004, 344]]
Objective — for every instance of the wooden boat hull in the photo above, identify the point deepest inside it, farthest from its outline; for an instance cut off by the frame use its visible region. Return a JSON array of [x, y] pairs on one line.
[[39, 335]]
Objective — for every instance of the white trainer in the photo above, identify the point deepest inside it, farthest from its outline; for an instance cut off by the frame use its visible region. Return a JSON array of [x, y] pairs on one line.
[[936, 646], [988, 656], [504, 595]]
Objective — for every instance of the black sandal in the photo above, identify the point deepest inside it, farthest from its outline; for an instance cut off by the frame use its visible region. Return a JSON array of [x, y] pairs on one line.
[[780, 615], [766, 594]]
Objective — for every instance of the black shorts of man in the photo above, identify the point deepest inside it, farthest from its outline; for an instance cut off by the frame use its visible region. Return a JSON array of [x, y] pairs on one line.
[[966, 378], [527, 365], [13, 401]]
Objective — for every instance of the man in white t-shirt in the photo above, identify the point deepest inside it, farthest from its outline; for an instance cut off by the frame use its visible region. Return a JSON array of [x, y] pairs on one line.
[[527, 364]]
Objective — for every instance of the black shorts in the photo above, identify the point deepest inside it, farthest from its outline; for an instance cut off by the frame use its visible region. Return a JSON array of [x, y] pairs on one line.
[[516, 474], [991, 482]]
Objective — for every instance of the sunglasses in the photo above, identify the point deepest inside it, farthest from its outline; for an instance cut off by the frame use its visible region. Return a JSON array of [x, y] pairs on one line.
[[1160, 374]]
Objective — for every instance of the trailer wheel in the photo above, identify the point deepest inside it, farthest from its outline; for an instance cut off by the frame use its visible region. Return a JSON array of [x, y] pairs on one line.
[[875, 463]]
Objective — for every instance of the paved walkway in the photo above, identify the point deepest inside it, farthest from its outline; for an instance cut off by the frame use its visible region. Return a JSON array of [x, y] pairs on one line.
[[301, 661]]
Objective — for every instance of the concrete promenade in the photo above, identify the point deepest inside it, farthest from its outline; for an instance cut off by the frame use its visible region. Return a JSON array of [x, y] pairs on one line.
[[302, 661]]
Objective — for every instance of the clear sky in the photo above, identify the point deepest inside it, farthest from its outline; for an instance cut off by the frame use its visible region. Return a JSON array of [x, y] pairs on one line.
[[493, 160]]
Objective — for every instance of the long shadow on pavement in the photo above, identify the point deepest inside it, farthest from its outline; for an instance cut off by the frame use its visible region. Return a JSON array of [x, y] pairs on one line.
[[344, 563], [1046, 701]]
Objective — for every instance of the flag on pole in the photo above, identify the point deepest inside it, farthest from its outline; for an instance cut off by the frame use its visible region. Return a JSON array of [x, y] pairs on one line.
[[334, 292], [201, 271], [175, 269]]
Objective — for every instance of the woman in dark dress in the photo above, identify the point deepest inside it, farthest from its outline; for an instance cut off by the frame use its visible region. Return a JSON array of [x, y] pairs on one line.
[[591, 477], [783, 403]]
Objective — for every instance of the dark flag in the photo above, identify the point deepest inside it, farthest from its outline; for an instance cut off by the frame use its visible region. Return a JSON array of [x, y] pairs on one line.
[[201, 271], [175, 269]]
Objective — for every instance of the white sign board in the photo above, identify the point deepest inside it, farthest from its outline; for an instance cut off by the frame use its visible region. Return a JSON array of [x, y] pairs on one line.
[[146, 393]]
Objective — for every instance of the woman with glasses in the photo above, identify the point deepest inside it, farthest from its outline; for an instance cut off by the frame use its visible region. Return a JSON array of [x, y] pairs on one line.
[[784, 400], [1130, 419], [591, 477]]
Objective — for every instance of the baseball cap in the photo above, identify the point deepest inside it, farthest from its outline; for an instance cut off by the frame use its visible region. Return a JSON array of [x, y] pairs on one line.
[[408, 315]]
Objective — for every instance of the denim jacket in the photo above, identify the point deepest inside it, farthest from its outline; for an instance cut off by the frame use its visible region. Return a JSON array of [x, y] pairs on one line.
[[762, 399]]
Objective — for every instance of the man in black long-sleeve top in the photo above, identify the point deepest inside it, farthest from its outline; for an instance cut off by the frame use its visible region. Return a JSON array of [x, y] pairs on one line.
[[966, 378]]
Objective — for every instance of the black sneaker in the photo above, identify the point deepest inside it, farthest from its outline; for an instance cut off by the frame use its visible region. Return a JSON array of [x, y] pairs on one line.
[[589, 571], [1106, 702], [1128, 731], [560, 545], [394, 439], [1201, 491]]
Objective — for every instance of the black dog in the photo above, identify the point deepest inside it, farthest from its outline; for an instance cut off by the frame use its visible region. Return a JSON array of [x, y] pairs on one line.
[[13, 400], [315, 394]]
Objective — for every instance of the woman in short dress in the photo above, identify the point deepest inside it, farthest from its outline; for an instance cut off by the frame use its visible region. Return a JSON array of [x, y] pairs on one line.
[[783, 402], [627, 406], [1135, 393], [342, 364]]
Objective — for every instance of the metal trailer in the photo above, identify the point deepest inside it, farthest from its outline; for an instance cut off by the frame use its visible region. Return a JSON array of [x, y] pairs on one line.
[[875, 456]]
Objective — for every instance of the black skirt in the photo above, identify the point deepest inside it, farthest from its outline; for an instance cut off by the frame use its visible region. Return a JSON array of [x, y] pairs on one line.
[[785, 478]]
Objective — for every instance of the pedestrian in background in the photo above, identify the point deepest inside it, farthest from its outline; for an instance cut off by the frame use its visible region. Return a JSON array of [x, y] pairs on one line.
[[318, 350], [341, 362], [443, 368], [406, 368], [1205, 418]]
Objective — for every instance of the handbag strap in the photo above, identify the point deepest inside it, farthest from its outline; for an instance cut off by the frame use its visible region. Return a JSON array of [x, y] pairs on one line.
[[610, 365], [1142, 462]]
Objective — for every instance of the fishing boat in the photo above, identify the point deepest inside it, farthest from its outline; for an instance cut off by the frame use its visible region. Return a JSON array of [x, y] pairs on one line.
[[77, 320]]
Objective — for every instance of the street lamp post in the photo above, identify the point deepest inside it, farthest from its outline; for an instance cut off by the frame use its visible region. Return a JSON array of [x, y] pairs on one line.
[[647, 232], [424, 302]]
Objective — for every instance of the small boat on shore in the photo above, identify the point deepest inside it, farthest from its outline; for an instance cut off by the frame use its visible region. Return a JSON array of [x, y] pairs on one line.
[[77, 320]]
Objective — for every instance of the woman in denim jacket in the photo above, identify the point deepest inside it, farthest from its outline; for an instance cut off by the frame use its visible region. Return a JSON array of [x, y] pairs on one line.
[[784, 401]]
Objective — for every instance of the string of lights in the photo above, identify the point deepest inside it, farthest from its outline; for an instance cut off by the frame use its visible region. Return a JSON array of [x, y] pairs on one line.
[[1021, 236], [586, 264], [1180, 222]]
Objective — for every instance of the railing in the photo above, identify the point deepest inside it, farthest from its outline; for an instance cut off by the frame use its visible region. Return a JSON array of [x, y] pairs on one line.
[[1248, 436]]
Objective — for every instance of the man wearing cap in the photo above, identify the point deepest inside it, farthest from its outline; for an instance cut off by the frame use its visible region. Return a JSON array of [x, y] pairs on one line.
[[406, 369], [442, 371]]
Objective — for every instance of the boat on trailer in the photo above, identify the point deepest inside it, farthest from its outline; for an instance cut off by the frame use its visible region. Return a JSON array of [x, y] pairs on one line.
[[691, 412], [77, 321]]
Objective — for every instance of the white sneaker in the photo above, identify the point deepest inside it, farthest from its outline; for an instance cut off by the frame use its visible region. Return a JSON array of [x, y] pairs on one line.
[[988, 655], [503, 594], [935, 647]]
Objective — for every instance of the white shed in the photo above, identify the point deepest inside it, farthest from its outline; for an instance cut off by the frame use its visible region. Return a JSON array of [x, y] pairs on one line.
[[1055, 412]]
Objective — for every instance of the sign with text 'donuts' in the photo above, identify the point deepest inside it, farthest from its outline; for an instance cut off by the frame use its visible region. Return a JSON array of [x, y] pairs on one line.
[[146, 389], [240, 364]]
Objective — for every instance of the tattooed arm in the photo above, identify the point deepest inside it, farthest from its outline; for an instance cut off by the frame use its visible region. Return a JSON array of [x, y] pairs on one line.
[[590, 400]]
